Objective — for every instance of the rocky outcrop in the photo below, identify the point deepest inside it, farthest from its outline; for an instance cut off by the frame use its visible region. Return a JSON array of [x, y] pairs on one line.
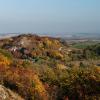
[[6, 94]]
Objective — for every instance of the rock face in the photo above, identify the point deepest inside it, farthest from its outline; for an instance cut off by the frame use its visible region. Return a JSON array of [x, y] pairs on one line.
[[6, 94]]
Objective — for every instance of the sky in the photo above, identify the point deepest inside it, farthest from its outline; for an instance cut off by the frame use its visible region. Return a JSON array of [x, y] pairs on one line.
[[50, 16]]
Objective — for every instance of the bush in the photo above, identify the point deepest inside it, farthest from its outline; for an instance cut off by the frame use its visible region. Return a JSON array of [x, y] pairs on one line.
[[81, 83]]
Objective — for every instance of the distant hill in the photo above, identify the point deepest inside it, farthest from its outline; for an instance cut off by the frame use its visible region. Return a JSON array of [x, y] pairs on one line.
[[61, 35]]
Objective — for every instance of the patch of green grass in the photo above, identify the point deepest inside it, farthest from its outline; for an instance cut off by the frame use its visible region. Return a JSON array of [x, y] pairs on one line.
[[84, 44], [79, 46]]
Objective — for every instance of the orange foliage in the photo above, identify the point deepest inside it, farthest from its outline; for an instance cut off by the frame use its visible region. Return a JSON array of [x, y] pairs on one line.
[[25, 82], [4, 61]]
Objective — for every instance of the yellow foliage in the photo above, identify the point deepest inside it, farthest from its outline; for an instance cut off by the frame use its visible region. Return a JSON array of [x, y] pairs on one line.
[[56, 54], [61, 66], [48, 42], [4, 61], [40, 88]]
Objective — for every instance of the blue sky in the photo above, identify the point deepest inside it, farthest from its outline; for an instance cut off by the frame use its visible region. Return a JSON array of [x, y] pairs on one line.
[[50, 16]]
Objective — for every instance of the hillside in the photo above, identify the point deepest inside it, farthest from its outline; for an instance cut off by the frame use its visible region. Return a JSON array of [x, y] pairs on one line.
[[46, 68]]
